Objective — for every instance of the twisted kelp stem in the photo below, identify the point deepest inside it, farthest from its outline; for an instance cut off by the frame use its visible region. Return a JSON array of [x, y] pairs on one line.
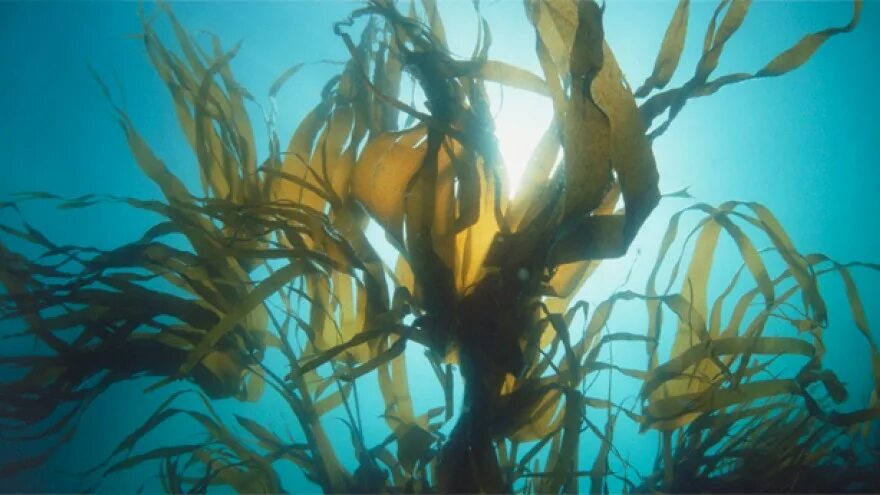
[[468, 462]]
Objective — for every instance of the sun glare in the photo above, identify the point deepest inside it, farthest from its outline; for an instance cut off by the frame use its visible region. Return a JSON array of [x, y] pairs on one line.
[[521, 119]]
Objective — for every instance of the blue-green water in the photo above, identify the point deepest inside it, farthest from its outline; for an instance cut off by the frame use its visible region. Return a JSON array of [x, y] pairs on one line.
[[804, 144]]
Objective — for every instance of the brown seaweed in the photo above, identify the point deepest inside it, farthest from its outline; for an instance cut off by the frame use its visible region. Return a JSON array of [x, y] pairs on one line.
[[277, 258]]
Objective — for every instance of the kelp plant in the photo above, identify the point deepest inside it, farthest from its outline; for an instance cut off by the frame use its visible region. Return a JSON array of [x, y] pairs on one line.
[[273, 257]]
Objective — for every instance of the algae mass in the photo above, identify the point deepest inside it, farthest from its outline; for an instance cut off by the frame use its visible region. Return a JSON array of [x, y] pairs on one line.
[[273, 257]]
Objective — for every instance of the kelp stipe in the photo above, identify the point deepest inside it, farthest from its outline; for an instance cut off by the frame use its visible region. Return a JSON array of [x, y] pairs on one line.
[[278, 259]]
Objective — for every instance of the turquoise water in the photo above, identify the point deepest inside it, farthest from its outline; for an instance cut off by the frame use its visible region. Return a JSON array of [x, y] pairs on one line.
[[805, 145]]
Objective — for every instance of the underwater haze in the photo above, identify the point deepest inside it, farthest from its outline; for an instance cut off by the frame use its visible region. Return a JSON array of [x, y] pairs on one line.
[[804, 144]]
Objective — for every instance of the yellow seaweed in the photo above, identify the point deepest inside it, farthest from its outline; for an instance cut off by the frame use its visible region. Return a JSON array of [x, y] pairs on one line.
[[279, 260]]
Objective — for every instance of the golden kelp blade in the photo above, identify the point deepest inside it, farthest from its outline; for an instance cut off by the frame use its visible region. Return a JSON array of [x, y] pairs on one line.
[[715, 40], [711, 375], [280, 262], [601, 106], [219, 329], [386, 166], [670, 51]]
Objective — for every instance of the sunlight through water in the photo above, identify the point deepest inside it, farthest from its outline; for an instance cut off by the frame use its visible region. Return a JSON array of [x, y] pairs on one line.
[[519, 123]]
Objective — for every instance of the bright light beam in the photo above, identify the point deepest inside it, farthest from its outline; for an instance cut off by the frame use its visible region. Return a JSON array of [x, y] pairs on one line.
[[519, 123]]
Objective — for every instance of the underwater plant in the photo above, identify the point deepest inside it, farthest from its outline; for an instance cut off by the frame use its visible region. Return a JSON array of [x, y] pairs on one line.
[[274, 257]]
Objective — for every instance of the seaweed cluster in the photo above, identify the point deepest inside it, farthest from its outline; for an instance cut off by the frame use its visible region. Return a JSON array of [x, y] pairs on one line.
[[273, 256]]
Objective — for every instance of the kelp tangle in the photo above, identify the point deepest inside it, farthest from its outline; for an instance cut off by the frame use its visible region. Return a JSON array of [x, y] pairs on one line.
[[273, 256]]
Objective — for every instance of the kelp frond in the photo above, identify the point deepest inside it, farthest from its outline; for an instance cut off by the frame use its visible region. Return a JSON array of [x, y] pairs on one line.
[[273, 256]]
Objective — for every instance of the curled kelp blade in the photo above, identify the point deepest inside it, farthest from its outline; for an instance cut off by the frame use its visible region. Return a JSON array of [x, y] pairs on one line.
[[717, 35], [109, 305], [670, 51], [715, 374], [712, 370], [221, 459], [590, 98], [325, 142], [212, 116], [694, 327], [218, 327]]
